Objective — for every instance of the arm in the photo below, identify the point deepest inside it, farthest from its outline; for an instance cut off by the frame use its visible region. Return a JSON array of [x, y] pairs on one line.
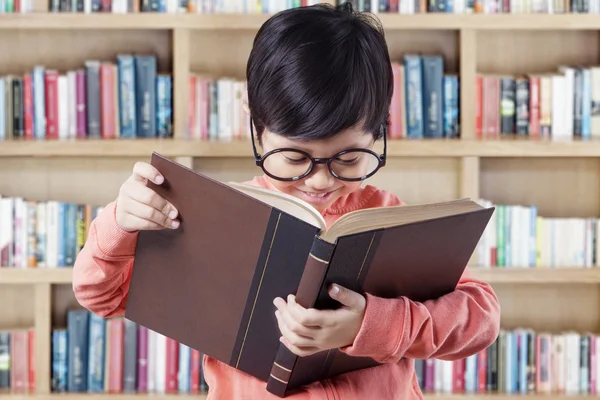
[[102, 270], [452, 327]]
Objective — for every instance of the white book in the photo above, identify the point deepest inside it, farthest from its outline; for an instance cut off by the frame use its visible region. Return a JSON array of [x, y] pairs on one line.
[[72, 104], [41, 234], [52, 234], [160, 371], [63, 114], [6, 231], [151, 361]]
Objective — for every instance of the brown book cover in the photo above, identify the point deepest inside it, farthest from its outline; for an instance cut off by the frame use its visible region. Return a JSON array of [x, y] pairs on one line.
[[210, 284]]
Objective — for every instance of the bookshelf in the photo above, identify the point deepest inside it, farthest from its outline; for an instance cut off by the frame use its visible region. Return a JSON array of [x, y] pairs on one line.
[[560, 177]]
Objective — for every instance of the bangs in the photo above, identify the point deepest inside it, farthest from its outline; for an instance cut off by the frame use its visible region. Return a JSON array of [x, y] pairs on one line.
[[317, 71]]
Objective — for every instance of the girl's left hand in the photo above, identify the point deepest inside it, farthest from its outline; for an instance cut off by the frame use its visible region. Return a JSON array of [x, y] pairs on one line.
[[309, 331]]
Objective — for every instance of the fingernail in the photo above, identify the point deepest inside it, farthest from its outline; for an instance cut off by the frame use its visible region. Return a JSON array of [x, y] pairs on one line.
[[172, 214], [159, 179], [335, 289], [175, 224]]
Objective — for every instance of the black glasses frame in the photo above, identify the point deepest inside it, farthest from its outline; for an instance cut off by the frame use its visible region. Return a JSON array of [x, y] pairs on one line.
[[259, 160]]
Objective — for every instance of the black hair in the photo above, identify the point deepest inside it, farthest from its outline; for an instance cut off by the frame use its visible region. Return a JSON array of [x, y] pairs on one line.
[[315, 71]]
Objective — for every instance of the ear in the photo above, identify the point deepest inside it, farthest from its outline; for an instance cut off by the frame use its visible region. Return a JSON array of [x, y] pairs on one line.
[[246, 108]]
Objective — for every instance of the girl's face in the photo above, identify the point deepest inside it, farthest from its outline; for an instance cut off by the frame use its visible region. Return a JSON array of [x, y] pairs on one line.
[[320, 188]]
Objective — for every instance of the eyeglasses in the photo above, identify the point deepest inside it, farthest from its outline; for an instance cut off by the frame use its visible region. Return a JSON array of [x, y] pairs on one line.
[[288, 164]]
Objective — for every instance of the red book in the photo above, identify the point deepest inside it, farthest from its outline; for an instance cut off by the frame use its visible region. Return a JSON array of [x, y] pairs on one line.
[[395, 128], [31, 338], [116, 329], [534, 106], [28, 105], [482, 371], [172, 365], [51, 100], [478, 107], [192, 115], [19, 361], [195, 366], [458, 376], [107, 101]]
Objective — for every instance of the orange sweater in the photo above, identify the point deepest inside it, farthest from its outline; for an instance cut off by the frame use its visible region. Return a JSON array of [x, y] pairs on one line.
[[394, 331]]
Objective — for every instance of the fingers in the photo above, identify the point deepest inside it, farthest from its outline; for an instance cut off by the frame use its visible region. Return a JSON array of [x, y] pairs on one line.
[[302, 351], [148, 213], [142, 224], [147, 196], [293, 337], [143, 171], [306, 317]]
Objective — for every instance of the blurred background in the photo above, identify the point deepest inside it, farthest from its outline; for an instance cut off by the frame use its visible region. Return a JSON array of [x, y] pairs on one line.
[[496, 100]]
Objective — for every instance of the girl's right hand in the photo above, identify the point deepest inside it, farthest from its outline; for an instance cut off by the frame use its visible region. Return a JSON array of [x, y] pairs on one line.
[[141, 208]]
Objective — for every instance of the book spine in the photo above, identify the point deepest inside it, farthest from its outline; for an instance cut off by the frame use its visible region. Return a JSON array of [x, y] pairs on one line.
[[315, 271]]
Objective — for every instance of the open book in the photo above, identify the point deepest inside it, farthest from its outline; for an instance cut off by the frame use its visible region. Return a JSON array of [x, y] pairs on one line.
[[210, 284]]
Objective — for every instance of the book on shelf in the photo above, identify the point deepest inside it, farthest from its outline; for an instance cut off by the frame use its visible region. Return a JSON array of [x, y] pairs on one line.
[[17, 360], [126, 98], [43, 234], [520, 362], [239, 246], [91, 354], [425, 102], [559, 105], [517, 236]]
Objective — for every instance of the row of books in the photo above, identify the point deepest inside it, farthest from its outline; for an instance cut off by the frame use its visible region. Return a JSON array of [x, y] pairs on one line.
[[425, 103], [17, 360], [50, 234], [517, 236], [476, 6], [520, 361], [178, 6], [96, 355], [558, 105], [123, 99], [43, 234]]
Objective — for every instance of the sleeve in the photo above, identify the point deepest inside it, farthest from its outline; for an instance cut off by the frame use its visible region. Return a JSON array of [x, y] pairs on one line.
[[102, 270], [452, 327]]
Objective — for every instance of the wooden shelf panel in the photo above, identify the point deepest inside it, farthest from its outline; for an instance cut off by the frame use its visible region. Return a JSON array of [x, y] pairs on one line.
[[241, 148], [17, 276], [77, 21], [537, 275], [90, 396], [493, 275]]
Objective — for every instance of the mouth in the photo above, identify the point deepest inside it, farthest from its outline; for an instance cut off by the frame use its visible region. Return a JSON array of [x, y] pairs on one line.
[[316, 197]]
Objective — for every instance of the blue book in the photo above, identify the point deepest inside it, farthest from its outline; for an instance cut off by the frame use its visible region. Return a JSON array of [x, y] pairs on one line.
[[432, 92], [78, 345], [127, 100], [59, 360], [97, 356], [184, 368], [414, 96], [39, 102]]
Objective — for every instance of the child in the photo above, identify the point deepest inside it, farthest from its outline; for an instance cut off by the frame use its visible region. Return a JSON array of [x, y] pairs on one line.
[[319, 84]]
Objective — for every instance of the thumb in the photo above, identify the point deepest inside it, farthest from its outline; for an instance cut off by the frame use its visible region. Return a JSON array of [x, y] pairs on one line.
[[347, 297]]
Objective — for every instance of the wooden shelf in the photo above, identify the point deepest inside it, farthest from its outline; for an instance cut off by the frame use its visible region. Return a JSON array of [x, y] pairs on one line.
[[537, 275], [91, 396], [241, 148], [229, 22], [16, 276]]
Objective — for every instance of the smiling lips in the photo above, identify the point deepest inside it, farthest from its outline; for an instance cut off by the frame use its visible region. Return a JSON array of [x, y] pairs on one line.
[[316, 197]]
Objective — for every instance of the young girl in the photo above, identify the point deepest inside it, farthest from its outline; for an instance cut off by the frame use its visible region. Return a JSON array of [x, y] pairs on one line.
[[319, 86]]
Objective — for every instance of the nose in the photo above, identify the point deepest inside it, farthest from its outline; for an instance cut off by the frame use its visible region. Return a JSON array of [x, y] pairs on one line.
[[320, 178]]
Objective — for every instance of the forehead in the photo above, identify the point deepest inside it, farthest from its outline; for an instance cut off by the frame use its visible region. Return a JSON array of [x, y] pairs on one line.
[[322, 147]]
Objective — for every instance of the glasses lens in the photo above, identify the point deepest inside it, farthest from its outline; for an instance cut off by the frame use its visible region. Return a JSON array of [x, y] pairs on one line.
[[354, 164], [287, 164]]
